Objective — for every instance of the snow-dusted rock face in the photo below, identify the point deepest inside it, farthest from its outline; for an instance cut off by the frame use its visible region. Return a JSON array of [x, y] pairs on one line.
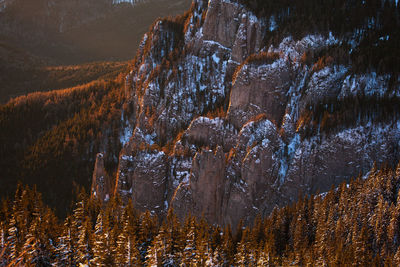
[[143, 178], [259, 89], [204, 192], [211, 133], [341, 156], [255, 155]]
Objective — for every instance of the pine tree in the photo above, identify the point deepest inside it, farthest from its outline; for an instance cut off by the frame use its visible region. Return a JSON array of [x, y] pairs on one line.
[[34, 249], [394, 228], [37, 249], [126, 251], [84, 243], [14, 229], [3, 245], [228, 248], [188, 255], [202, 253], [322, 232], [173, 240], [12, 239], [262, 257], [362, 250], [396, 258], [241, 256], [67, 249], [300, 242], [147, 230], [101, 244], [217, 259], [155, 252]]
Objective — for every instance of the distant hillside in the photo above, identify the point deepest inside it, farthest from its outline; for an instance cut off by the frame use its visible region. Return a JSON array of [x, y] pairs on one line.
[[22, 73], [37, 35], [70, 32]]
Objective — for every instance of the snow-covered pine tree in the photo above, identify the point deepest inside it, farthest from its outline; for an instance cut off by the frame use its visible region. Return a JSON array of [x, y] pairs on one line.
[[174, 240], [217, 259], [37, 249], [31, 249], [147, 231], [155, 252], [102, 245], [202, 253], [3, 245], [126, 251], [17, 225], [99, 242], [241, 256], [66, 249], [188, 255], [85, 242], [262, 258]]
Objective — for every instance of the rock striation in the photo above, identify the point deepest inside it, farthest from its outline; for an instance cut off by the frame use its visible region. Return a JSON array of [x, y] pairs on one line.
[[218, 119]]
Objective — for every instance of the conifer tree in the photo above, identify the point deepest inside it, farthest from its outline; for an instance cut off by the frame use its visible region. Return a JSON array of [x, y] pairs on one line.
[[202, 253], [34, 251], [362, 251], [155, 252], [173, 240], [12, 239], [188, 254], [241, 256], [100, 242], [67, 249], [396, 258], [126, 251], [300, 243], [394, 228], [2, 235], [85, 242], [147, 230], [217, 259], [3, 245]]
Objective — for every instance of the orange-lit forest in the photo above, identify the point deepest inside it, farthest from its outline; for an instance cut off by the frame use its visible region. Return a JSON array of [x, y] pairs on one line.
[[51, 139], [356, 224]]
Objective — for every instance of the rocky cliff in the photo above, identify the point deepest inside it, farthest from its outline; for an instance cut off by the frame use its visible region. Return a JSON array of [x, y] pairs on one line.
[[225, 125]]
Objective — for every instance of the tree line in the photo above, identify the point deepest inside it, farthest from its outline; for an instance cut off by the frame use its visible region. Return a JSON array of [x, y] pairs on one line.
[[354, 224]]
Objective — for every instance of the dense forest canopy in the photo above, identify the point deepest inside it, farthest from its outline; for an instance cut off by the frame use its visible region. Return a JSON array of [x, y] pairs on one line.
[[355, 224]]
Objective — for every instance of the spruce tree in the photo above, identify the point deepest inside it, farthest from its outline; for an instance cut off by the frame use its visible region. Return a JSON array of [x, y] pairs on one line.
[[66, 250], [100, 242], [85, 242]]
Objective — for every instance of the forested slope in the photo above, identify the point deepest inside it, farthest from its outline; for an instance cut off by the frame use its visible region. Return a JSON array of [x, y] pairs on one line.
[[50, 139]]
